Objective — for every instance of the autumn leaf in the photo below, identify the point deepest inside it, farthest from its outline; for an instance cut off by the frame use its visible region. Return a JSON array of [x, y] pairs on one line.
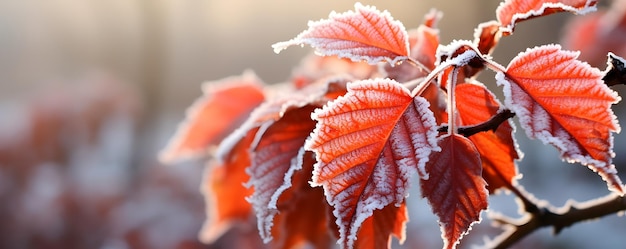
[[274, 161], [304, 216], [454, 188], [498, 150], [225, 105], [510, 12], [364, 34], [564, 102], [487, 36], [376, 231], [224, 192], [368, 144]]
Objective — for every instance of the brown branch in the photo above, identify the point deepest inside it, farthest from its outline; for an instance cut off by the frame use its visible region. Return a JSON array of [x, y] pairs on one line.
[[489, 125], [557, 218]]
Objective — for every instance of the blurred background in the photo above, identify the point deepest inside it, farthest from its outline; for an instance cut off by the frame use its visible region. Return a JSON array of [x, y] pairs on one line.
[[90, 91]]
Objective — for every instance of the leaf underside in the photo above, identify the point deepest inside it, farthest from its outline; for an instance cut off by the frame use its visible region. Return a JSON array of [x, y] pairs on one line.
[[273, 162]]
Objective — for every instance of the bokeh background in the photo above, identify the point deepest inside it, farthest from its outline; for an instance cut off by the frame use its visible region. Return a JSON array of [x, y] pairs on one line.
[[90, 91]]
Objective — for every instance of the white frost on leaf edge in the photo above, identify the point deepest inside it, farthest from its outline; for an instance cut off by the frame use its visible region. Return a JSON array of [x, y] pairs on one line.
[[313, 42], [372, 203], [588, 8], [569, 152], [458, 60], [265, 221]]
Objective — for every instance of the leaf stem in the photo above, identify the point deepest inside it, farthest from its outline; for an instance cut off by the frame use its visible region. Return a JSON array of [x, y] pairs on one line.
[[452, 128], [494, 66], [418, 64]]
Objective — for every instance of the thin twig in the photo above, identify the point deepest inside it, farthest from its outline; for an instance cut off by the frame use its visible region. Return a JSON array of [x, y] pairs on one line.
[[489, 125]]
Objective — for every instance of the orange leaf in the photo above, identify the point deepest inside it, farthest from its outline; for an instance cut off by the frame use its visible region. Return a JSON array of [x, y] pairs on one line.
[[303, 216], [564, 102], [455, 189], [368, 144], [498, 150], [377, 230], [366, 34], [512, 11], [223, 184], [225, 105], [224, 192], [487, 36], [272, 110], [274, 161]]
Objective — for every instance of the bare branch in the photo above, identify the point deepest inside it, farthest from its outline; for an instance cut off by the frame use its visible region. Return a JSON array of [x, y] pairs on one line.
[[489, 125], [557, 218]]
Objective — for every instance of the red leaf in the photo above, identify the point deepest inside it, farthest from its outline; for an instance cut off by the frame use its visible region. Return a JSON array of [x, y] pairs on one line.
[[512, 11], [564, 102], [366, 34], [455, 189], [368, 144], [377, 230], [273, 110], [303, 217], [226, 195], [498, 150], [224, 192], [274, 161], [225, 105], [487, 36]]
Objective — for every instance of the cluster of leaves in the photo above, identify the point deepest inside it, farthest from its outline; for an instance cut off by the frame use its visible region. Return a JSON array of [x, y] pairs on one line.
[[382, 105]]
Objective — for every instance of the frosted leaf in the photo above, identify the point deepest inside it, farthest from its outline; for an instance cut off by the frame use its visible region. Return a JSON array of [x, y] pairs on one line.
[[368, 144], [563, 102], [510, 12], [274, 159], [455, 190], [364, 34]]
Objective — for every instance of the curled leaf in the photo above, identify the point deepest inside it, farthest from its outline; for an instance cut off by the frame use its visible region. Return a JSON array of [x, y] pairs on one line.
[[303, 216], [487, 36], [274, 160], [364, 34], [564, 102]]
